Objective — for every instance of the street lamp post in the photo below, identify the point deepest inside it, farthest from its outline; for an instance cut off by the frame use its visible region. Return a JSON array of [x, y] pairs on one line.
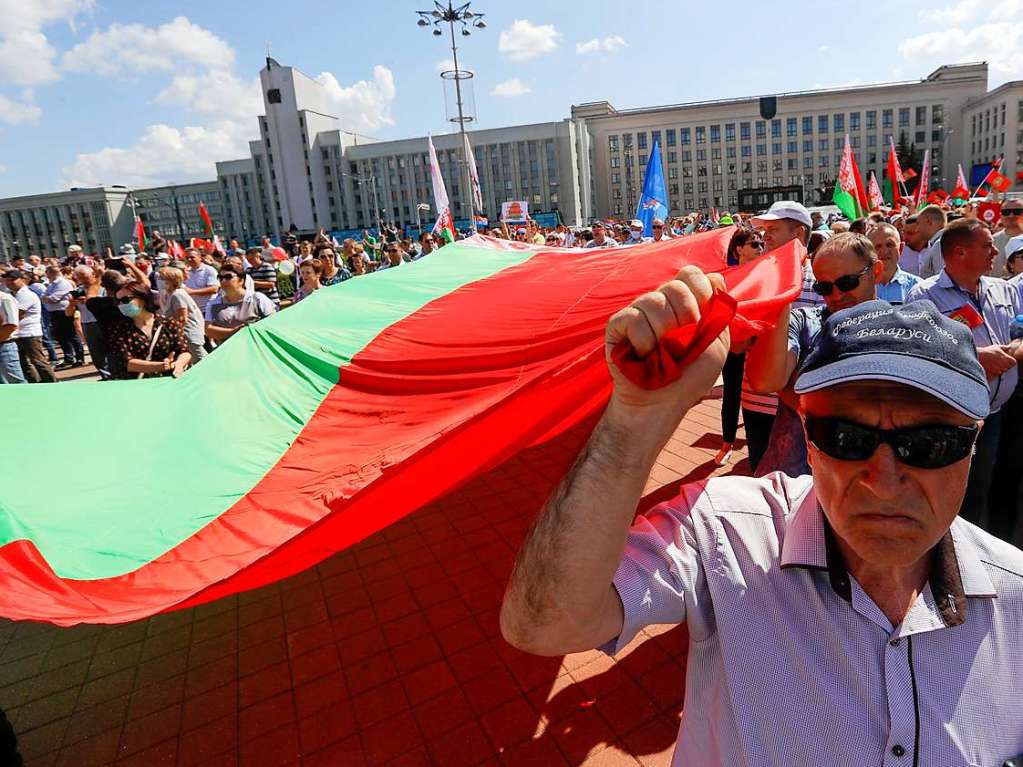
[[419, 222], [467, 18], [372, 179], [944, 157]]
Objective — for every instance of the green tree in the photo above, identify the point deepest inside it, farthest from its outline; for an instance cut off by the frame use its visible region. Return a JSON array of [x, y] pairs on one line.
[[906, 151]]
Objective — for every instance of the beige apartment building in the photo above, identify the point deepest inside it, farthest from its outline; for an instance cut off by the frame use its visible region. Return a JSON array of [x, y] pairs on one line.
[[726, 154]]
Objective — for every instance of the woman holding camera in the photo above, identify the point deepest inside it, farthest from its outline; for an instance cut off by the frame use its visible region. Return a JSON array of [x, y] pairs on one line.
[[147, 344]]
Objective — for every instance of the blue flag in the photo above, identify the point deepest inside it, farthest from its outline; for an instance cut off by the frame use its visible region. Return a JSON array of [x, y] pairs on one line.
[[653, 203]]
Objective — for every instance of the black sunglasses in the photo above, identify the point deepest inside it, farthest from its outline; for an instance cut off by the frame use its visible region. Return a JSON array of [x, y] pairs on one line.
[[845, 283], [923, 447], [226, 276], [756, 244], [1013, 212], [126, 299]]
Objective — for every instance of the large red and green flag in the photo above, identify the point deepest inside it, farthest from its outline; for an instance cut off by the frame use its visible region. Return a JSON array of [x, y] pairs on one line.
[[846, 195], [920, 198], [140, 233], [207, 222], [993, 173], [445, 224], [895, 182], [312, 429]]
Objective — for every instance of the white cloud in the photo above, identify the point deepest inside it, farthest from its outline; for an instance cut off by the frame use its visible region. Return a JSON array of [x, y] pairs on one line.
[[18, 112], [26, 55], [524, 40], [608, 44], [966, 10], [511, 88], [163, 154], [217, 91], [999, 44], [128, 49], [363, 106], [3, 169], [823, 49]]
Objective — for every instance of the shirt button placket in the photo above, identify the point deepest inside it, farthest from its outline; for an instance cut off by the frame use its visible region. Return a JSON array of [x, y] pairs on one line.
[[901, 712]]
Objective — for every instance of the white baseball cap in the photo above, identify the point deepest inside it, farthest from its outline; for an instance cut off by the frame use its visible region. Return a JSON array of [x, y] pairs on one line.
[[786, 209], [635, 224], [1013, 244]]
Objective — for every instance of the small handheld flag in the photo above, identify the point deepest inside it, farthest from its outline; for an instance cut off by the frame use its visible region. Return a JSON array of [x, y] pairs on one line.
[[140, 233], [207, 222]]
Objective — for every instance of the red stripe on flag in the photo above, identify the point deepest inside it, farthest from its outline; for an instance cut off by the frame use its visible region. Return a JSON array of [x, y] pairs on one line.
[[432, 402]]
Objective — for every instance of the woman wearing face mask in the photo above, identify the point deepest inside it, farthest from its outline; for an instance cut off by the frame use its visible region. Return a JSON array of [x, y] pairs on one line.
[[148, 344]]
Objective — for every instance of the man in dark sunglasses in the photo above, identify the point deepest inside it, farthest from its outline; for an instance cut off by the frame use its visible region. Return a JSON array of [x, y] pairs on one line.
[[853, 603], [1012, 226], [987, 306], [845, 270]]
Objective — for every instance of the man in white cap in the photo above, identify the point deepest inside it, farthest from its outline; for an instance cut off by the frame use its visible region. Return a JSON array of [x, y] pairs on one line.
[[636, 233], [661, 232], [784, 221]]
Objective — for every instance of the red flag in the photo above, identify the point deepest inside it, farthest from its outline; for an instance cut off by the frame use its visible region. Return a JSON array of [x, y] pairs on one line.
[[1000, 182], [996, 165], [962, 190], [207, 222], [140, 233], [967, 315], [989, 212], [908, 174], [937, 197], [876, 200], [980, 193], [176, 251]]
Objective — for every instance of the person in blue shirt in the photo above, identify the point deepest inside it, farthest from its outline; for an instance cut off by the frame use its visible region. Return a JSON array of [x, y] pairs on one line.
[[894, 283]]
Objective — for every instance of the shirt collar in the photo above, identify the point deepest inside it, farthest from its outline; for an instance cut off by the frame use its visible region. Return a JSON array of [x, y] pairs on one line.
[[956, 569]]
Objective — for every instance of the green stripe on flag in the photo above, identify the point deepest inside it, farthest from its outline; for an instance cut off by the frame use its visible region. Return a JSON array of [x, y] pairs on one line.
[[846, 203], [153, 462]]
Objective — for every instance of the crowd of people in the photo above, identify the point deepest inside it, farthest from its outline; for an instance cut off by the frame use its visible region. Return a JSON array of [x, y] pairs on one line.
[[150, 314], [158, 312]]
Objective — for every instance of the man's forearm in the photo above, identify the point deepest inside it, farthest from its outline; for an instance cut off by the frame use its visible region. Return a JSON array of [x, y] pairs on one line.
[[560, 597], [767, 359]]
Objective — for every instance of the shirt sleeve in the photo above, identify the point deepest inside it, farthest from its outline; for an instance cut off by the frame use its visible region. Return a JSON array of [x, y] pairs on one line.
[[265, 305], [797, 319], [208, 311], [211, 278], [660, 579]]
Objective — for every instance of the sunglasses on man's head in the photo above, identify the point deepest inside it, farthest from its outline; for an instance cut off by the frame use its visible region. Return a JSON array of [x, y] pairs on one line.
[[922, 447], [845, 283]]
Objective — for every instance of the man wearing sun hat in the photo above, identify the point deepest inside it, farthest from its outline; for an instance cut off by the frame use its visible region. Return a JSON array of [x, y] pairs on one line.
[[848, 617]]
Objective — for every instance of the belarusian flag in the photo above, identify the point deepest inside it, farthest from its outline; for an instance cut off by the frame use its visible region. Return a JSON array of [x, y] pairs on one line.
[[361, 404], [876, 200], [962, 189], [140, 233], [445, 226], [996, 166], [846, 196], [207, 222], [920, 198], [895, 182]]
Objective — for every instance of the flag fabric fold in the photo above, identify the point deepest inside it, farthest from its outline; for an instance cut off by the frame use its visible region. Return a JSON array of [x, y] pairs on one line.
[[445, 224], [140, 234], [373, 397], [653, 202], [895, 183]]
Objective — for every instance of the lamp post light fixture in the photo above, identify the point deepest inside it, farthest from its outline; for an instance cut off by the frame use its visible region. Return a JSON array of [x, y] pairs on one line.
[[465, 18]]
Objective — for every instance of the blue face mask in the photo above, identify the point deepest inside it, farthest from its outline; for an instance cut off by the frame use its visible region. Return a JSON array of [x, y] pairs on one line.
[[129, 310]]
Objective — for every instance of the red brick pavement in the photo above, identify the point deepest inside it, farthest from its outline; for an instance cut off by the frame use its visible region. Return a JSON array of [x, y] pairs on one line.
[[386, 654]]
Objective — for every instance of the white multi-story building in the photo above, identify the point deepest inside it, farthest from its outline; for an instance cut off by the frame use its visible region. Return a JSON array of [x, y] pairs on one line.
[[729, 155], [993, 126], [306, 173]]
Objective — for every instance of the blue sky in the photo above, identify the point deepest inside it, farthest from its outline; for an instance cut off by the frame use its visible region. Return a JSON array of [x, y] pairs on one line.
[[109, 91]]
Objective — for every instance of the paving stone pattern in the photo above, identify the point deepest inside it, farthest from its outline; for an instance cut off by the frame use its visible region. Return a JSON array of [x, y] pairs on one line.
[[388, 653]]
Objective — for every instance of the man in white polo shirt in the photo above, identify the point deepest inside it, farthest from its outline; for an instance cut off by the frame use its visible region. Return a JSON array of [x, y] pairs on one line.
[[29, 335], [10, 364]]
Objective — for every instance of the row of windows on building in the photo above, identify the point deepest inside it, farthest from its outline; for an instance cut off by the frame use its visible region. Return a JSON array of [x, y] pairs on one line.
[[993, 118], [824, 124], [808, 147]]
